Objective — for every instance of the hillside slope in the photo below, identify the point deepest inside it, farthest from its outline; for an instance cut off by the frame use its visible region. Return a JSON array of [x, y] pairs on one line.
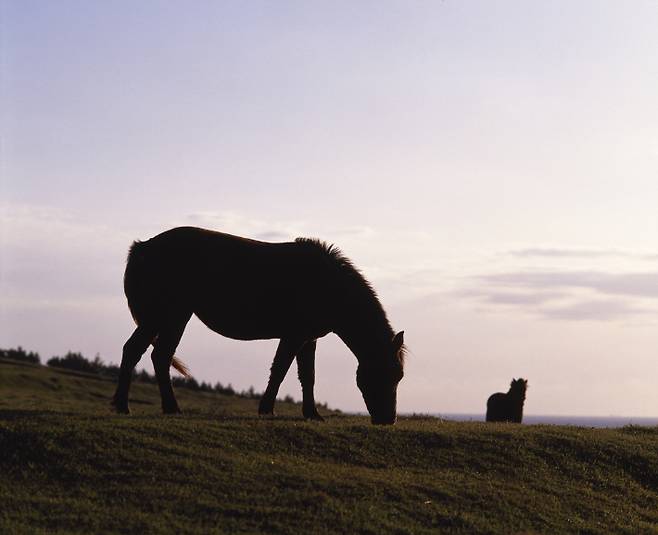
[[73, 467], [34, 387]]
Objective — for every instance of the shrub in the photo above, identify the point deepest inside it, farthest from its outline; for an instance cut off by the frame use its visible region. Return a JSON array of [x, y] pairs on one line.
[[75, 361], [78, 362], [20, 354]]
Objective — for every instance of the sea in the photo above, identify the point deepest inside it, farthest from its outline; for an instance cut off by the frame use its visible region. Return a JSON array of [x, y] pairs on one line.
[[581, 421]]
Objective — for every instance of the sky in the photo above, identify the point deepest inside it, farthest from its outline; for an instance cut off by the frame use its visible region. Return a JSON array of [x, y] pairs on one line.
[[490, 166]]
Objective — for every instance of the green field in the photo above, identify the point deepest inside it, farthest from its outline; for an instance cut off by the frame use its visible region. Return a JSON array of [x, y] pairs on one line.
[[68, 465]]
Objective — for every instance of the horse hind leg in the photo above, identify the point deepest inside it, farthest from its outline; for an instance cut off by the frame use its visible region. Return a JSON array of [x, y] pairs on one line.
[[164, 348], [133, 350], [306, 374]]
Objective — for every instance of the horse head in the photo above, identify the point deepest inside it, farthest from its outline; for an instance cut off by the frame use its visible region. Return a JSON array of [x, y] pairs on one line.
[[518, 387], [378, 380]]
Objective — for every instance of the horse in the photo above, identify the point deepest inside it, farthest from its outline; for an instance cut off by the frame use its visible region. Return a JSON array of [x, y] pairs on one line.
[[247, 289], [508, 407]]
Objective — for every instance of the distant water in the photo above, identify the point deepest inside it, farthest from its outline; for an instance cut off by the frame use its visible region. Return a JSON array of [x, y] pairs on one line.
[[582, 421]]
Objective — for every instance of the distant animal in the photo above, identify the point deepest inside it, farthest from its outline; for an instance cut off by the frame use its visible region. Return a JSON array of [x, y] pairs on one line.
[[251, 290], [508, 407]]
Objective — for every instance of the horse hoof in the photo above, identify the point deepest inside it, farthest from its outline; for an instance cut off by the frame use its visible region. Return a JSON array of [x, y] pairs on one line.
[[265, 408], [266, 413], [171, 410], [315, 417], [120, 408]]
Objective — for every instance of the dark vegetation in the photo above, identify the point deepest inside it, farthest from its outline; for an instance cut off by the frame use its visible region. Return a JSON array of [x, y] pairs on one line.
[[69, 465], [21, 355], [78, 362]]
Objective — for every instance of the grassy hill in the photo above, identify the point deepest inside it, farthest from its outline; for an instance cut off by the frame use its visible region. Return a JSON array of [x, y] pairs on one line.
[[68, 465]]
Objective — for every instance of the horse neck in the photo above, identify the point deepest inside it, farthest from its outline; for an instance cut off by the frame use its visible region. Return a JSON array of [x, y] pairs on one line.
[[517, 395], [517, 399], [360, 320], [365, 332]]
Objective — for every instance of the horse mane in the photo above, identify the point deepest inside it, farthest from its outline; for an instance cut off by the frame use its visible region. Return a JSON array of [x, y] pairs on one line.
[[349, 273]]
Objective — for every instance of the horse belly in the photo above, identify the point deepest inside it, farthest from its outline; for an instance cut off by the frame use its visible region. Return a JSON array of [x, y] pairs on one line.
[[254, 319], [238, 325]]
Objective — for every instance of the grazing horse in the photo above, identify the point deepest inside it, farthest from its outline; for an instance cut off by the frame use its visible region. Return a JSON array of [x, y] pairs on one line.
[[252, 290], [508, 407]]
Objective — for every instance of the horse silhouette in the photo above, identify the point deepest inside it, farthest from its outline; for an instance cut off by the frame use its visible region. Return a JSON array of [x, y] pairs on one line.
[[251, 290], [508, 407]]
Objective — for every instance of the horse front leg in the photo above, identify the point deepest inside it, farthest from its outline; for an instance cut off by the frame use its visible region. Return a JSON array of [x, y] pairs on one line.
[[306, 374], [283, 358]]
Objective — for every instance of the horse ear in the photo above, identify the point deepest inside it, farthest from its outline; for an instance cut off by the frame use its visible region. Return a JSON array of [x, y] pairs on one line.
[[398, 340]]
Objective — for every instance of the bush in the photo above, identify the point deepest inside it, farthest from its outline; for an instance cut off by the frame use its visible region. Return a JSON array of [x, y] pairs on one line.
[[78, 362], [20, 354]]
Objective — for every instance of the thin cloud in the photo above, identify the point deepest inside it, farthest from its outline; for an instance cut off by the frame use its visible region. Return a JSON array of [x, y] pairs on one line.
[[272, 235], [356, 231], [627, 284], [235, 223], [570, 295], [548, 252], [597, 310], [511, 298], [566, 253]]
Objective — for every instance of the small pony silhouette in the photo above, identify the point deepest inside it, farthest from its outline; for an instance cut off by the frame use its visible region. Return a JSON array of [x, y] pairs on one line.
[[508, 407]]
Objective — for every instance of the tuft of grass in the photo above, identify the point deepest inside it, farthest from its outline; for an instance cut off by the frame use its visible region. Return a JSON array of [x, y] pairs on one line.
[[68, 465]]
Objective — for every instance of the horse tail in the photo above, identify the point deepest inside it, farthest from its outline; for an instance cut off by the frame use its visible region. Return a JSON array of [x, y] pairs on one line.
[[181, 367]]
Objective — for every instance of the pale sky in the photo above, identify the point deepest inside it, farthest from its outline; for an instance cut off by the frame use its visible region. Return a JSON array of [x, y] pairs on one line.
[[491, 166]]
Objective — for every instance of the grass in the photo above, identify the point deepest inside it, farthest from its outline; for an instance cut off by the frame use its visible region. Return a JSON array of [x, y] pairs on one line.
[[67, 465]]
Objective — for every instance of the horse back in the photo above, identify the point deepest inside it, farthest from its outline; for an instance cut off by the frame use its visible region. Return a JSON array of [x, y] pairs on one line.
[[497, 407], [239, 287]]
